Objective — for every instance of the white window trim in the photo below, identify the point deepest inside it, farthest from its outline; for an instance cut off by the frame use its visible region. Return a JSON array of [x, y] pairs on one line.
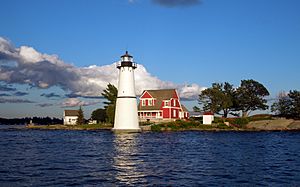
[[150, 102]]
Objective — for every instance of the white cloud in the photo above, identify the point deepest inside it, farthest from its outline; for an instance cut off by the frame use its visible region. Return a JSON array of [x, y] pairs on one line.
[[25, 65], [72, 102]]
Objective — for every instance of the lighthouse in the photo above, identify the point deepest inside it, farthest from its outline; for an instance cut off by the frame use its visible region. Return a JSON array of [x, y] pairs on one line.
[[126, 115]]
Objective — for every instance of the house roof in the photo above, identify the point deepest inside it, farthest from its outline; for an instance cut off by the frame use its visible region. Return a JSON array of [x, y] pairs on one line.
[[208, 113], [71, 112], [160, 96], [184, 108]]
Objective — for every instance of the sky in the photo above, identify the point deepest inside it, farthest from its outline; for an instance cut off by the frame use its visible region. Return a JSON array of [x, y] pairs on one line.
[[60, 54]]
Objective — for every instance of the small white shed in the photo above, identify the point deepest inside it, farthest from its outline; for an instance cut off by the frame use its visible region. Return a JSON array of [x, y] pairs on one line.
[[70, 117], [208, 118]]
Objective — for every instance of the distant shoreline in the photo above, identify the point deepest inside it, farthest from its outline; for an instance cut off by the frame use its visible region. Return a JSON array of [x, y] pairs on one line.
[[253, 126]]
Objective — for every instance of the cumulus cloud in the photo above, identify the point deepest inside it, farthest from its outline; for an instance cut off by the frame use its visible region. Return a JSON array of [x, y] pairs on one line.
[[25, 65], [72, 102], [50, 95], [14, 100], [176, 3]]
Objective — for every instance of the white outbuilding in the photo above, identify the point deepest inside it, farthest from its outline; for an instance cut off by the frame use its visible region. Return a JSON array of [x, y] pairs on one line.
[[208, 118], [70, 117]]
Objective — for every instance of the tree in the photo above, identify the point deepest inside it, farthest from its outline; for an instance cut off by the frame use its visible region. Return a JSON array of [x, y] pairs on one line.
[[99, 115], [288, 105], [80, 119], [295, 101], [250, 96], [218, 98], [196, 109], [110, 93]]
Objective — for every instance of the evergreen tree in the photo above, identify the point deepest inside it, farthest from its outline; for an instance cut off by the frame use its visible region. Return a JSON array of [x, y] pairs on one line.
[[80, 119], [110, 93]]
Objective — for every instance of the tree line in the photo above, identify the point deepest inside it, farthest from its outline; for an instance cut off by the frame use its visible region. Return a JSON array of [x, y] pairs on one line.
[[223, 99], [287, 105]]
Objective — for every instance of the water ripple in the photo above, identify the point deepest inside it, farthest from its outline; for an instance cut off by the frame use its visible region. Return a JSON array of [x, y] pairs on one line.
[[101, 158]]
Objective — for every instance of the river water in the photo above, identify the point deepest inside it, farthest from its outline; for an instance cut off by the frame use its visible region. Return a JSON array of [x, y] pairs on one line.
[[102, 158]]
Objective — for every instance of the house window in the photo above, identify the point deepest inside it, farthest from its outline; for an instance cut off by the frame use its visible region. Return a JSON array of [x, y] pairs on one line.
[[143, 102], [174, 102], [150, 102], [166, 103], [174, 113]]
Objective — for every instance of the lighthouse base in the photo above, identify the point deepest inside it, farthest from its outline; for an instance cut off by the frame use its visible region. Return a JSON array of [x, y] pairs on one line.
[[126, 116]]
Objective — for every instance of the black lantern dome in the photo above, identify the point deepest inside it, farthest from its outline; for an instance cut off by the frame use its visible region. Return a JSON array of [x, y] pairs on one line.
[[126, 61]]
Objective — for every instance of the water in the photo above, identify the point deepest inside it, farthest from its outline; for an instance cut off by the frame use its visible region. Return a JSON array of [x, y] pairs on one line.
[[101, 158]]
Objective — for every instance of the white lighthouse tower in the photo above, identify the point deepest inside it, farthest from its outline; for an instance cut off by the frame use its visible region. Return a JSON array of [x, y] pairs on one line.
[[126, 116]]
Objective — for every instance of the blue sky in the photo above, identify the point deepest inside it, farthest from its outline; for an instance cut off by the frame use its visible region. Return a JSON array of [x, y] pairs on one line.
[[180, 45]]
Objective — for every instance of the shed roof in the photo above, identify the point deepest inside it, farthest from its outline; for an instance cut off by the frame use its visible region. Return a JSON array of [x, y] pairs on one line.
[[71, 112]]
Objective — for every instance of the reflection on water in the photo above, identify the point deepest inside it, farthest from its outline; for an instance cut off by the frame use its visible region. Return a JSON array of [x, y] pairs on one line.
[[126, 160]]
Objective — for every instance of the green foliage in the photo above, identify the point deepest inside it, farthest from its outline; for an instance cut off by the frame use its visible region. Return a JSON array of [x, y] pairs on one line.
[[250, 96], [288, 105], [110, 112], [196, 109], [111, 94], [80, 119], [175, 125], [224, 99], [99, 115], [218, 98], [238, 121], [223, 126], [218, 120]]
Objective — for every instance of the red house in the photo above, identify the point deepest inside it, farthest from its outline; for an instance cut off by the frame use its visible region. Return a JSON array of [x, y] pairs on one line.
[[161, 105]]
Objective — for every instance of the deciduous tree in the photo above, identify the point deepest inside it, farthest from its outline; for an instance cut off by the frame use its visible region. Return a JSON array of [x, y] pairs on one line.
[[288, 105], [250, 96], [99, 115], [218, 98]]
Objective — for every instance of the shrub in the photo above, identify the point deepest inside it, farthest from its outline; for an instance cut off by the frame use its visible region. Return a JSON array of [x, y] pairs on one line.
[[223, 126], [218, 120], [238, 122]]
